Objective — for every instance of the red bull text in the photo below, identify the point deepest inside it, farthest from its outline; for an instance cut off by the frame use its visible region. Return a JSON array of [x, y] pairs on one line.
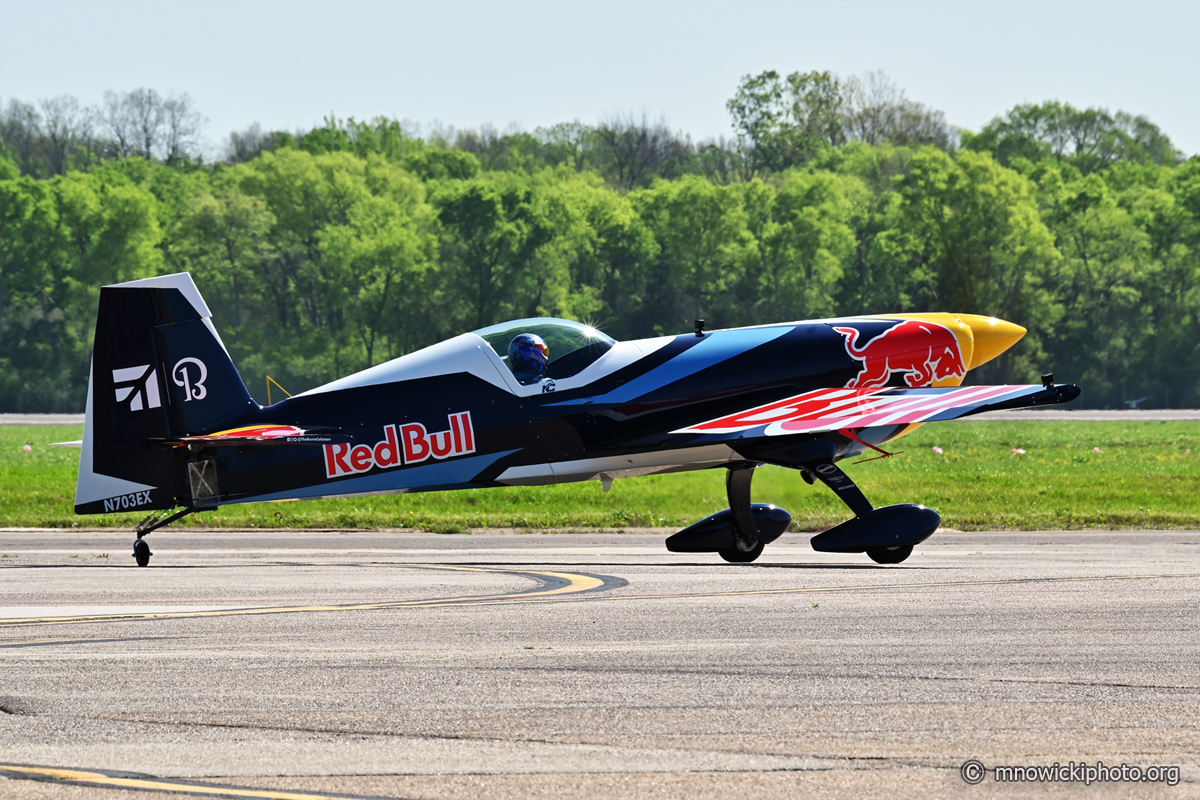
[[922, 351], [410, 444]]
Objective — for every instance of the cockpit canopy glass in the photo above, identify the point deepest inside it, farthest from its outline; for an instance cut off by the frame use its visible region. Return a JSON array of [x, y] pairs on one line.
[[572, 345]]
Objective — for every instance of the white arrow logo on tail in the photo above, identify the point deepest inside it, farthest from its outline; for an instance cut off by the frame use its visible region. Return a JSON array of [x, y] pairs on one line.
[[143, 386]]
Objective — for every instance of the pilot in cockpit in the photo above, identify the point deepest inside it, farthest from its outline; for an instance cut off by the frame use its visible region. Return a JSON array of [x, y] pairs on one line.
[[528, 357]]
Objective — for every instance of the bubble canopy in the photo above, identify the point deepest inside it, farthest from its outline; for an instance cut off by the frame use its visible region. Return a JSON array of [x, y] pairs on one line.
[[573, 345]]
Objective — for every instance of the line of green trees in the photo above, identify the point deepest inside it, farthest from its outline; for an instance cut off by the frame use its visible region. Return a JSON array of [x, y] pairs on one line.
[[327, 251]]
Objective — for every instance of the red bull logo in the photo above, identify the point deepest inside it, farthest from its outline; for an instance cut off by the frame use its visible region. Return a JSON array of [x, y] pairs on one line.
[[922, 351], [410, 444]]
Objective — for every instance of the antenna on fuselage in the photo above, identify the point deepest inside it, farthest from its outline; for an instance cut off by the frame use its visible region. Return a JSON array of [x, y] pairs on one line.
[[271, 380]]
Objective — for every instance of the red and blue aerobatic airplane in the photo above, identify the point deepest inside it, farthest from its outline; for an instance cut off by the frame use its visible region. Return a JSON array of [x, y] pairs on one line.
[[170, 424]]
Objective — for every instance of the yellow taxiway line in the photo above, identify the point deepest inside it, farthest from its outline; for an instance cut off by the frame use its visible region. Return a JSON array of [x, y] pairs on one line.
[[100, 779], [554, 585], [74, 640]]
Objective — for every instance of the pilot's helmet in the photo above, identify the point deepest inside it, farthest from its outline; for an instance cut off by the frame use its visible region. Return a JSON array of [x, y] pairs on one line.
[[527, 353]]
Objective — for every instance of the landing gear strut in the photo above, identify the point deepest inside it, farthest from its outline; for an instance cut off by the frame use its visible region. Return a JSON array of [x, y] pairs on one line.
[[141, 549], [885, 534], [738, 533], [747, 546]]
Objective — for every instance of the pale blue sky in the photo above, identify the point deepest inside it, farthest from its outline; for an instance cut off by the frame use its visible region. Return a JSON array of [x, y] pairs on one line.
[[287, 64]]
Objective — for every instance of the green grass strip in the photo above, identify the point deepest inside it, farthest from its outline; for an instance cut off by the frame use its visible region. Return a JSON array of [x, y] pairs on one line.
[[1142, 477]]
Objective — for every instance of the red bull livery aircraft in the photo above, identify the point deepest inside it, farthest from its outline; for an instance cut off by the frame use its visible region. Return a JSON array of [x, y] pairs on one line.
[[171, 429]]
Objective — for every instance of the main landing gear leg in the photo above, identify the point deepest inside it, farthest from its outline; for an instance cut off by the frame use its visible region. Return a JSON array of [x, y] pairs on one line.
[[832, 476], [746, 544], [141, 548]]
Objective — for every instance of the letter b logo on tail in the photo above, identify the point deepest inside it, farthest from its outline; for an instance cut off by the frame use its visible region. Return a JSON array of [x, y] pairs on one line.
[[192, 390]]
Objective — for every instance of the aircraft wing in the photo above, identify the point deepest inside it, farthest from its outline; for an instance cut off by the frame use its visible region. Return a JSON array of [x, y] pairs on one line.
[[824, 410]]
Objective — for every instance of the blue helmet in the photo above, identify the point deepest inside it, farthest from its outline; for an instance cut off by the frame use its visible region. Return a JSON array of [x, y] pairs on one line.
[[527, 353]]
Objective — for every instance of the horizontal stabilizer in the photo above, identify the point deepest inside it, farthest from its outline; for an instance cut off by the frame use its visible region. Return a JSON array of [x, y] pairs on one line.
[[837, 409], [264, 435]]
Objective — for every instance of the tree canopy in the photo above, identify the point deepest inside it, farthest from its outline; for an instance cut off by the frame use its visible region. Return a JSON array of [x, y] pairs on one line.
[[329, 250]]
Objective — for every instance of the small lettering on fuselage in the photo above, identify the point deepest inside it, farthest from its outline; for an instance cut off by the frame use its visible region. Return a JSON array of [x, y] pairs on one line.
[[127, 501], [411, 443]]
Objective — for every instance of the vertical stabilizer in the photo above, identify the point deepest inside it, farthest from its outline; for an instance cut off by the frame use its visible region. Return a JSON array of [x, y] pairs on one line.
[[159, 371]]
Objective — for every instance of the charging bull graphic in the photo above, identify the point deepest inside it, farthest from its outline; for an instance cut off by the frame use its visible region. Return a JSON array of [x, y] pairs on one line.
[[922, 351]]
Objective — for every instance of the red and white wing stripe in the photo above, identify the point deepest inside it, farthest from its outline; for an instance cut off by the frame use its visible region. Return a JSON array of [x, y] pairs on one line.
[[835, 409]]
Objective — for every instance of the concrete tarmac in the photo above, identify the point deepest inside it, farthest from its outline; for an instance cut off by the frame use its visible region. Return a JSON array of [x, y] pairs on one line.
[[294, 664]]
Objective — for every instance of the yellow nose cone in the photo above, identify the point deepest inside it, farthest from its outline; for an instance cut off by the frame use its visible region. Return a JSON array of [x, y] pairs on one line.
[[992, 337], [979, 338]]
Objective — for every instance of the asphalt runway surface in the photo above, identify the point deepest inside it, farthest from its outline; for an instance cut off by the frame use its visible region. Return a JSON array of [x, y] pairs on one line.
[[300, 665]]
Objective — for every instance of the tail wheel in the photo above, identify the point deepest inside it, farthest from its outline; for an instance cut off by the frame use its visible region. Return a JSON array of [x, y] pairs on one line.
[[890, 555], [141, 552], [735, 555]]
